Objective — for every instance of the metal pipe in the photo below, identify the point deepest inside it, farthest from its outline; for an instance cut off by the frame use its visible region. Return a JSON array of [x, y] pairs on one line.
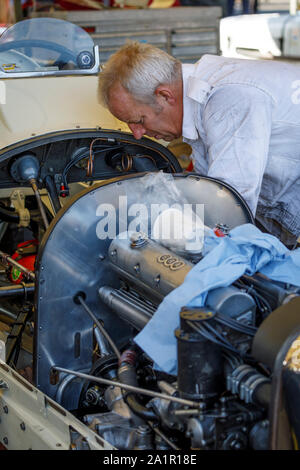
[[143, 391], [163, 436], [166, 387], [7, 314], [98, 324], [7, 259], [16, 289], [32, 181]]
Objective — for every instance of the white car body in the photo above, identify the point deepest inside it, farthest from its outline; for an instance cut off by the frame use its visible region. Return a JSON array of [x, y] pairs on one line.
[[265, 36]]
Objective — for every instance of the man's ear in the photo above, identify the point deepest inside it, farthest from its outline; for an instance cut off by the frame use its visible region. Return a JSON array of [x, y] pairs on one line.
[[164, 93]]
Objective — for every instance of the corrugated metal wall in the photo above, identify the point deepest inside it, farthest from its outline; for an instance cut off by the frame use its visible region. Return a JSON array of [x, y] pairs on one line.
[[185, 32]]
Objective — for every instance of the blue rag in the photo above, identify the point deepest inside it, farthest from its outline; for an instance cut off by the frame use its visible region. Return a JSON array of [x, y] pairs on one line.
[[245, 250]]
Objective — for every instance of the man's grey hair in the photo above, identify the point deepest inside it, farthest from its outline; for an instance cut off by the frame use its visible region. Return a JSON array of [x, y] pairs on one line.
[[139, 68]]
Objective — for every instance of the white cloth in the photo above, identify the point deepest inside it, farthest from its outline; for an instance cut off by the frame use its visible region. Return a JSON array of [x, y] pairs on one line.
[[242, 120]]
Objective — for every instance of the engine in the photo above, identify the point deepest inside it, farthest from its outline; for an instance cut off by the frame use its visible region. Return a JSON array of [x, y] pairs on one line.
[[94, 296]]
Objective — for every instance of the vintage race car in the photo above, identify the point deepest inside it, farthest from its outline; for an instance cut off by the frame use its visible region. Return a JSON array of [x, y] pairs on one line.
[[85, 267]]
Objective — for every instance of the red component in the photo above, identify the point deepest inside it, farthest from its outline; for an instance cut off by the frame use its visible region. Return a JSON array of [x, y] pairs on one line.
[[190, 166], [63, 191], [128, 356], [219, 233], [25, 255]]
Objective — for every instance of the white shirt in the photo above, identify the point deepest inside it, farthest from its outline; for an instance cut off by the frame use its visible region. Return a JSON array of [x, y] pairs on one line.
[[242, 120]]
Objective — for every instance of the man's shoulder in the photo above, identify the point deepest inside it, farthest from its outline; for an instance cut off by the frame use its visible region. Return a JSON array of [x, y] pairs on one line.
[[241, 74]]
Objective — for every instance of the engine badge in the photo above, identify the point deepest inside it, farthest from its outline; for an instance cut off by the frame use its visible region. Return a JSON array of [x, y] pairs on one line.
[[170, 262]]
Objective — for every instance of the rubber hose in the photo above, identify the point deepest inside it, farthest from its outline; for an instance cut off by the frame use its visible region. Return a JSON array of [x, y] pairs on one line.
[[127, 375]]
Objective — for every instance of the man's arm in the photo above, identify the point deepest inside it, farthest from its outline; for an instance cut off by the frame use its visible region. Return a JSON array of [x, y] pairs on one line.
[[237, 120]]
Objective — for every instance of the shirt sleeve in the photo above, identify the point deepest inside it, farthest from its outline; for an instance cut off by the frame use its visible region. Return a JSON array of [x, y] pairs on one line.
[[237, 120]]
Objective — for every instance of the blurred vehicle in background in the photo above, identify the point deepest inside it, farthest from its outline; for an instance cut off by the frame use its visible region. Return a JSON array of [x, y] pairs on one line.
[[273, 35]]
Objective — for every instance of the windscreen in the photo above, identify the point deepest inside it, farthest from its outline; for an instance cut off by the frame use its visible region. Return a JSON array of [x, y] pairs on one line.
[[45, 45]]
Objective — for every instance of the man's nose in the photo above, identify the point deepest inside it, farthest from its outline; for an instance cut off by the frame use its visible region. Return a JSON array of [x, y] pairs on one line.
[[138, 130]]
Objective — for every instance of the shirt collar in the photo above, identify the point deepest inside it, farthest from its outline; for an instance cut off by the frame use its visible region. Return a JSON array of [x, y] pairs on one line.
[[195, 92], [189, 130]]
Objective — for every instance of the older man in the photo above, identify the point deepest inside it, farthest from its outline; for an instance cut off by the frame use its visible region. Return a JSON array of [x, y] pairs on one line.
[[241, 118]]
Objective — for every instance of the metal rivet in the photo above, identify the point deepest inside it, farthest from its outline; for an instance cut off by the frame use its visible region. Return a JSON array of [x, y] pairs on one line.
[[137, 268]]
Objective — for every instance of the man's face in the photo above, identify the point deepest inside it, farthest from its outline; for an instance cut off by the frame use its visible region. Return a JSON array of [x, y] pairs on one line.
[[161, 121]]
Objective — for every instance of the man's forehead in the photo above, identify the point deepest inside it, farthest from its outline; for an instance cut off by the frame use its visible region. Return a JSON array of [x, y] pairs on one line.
[[122, 104], [128, 115]]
